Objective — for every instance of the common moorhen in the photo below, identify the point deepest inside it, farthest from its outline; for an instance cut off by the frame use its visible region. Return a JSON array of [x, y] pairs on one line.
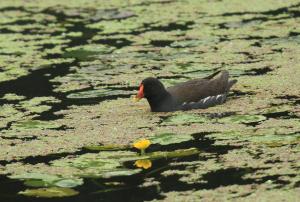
[[193, 94]]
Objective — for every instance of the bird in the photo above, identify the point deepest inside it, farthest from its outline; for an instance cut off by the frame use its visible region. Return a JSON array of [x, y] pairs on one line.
[[198, 93]]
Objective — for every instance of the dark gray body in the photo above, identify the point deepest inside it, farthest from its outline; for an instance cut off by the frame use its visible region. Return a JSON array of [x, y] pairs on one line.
[[188, 95]]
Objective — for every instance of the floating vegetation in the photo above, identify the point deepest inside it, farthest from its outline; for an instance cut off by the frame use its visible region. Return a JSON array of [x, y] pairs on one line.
[[68, 68], [184, 118], [170, 138], [49, 192], [243, 119], [46, 180]]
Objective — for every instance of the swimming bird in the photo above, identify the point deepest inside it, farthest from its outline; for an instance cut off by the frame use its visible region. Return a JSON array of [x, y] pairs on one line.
[[193, 94]]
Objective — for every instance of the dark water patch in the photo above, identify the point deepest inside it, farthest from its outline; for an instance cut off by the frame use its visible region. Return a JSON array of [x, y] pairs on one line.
[[297, 184], [7, 31], [48, 46], [291, 34], [256, 44], [273, 161], [222, 39], [258, 71], [173, 27], [36, 84], [283, 10], [238, 93], [12, 8], [161, 43], [87, 33], [248, 62], [8, 125], [275, 12], [5, 101], [213, 180], [289, 97], [20, 138], [252, 37], [118, 43], [9, 189], [219, 178], [21, 22], [226, 177], [147, 3], [279, 115], [278, 50], [253, 124]]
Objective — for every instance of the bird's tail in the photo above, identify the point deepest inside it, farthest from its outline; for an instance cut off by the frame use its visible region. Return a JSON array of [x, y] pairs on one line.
[[223, 75], [230, 84]]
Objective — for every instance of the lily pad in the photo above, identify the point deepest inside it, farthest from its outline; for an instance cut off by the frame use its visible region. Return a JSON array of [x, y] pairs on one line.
[[277, 140], [170, 138], [46, 180], [50, 192], [185, 119], [106, 147], [69, 183], [172, 154], [103, 164], [243, 119]]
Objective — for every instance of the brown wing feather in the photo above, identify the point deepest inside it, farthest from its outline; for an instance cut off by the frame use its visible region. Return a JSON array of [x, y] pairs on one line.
[[197, 89]]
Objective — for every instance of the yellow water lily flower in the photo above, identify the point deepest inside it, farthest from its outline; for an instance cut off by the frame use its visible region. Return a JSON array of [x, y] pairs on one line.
[[142, 144], [143, 163]]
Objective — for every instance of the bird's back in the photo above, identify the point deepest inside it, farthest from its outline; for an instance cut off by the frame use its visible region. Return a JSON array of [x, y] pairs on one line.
[[197, 89]]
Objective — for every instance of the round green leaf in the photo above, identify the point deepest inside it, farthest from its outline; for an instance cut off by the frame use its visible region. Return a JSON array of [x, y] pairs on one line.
[[49, 192], [170, 138]]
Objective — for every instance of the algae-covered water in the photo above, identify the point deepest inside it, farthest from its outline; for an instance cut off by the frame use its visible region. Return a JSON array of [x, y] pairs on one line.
[[68, 70]]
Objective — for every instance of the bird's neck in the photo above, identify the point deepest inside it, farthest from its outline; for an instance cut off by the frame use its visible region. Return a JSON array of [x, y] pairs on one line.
[[163, 102]]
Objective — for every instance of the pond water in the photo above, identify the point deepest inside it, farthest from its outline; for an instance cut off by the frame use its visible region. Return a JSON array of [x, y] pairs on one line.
[[68, 71]]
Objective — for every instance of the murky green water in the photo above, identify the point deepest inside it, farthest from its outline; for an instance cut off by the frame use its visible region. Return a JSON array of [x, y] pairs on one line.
[[67, 73]]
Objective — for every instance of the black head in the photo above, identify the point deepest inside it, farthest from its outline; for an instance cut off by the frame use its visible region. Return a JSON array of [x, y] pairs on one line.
[[153, 88], [156, 94]]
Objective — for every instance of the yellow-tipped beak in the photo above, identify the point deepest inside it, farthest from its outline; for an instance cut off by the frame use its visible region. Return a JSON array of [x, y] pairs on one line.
[[136, 99]]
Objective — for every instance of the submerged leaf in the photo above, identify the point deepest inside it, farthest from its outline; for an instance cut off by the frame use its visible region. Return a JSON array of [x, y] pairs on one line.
[[170, 138], [243, 119], [46, 180], [49, 192], [183, 118]]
